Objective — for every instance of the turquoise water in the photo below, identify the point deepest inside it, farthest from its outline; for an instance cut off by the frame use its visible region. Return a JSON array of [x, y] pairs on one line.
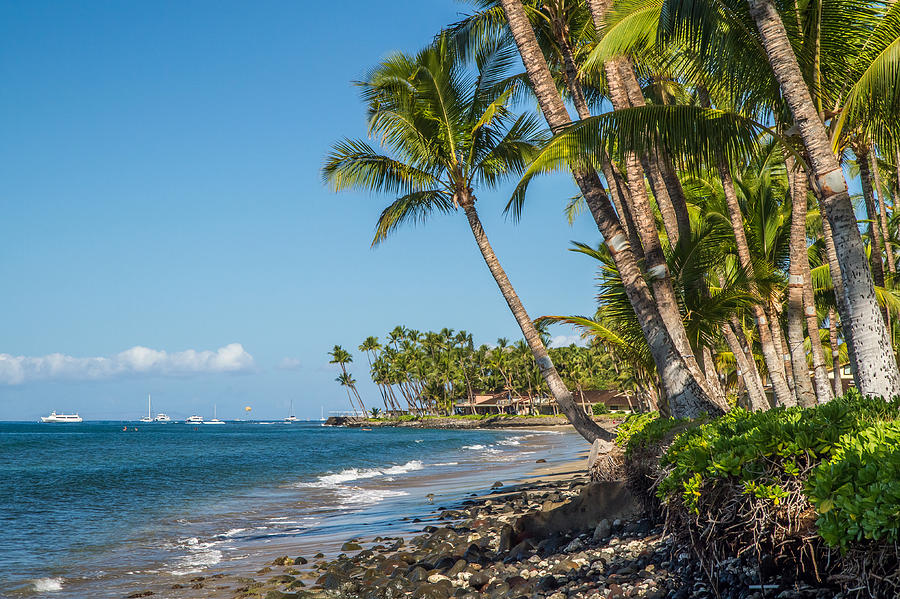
[[90, 507]]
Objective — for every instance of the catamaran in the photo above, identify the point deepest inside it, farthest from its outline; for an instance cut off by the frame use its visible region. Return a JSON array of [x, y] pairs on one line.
[[214, 420], [291, 418], [148, 417], [54, 417]]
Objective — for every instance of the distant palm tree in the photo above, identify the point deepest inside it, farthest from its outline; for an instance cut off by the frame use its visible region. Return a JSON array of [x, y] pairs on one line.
[[342, 357], [447, 131]]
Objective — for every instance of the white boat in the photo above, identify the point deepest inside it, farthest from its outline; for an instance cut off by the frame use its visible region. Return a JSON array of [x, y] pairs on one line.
[[291, 418], [194, 420], [162, 418], [54, 417], [148, 417], [214, 420]]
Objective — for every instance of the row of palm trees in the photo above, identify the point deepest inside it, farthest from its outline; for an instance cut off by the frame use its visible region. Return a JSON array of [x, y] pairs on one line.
[[710, 136], [428, 372]]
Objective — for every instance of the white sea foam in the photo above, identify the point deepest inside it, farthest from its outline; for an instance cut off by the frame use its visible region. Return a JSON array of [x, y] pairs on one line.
[[232, 532], [330, 480], [446, 464], [476, 447], [358, 497], [46, 585], [510, 441], [200, 555]]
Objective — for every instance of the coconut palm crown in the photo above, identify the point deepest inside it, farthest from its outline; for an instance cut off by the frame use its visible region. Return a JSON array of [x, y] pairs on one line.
[[443, 129]]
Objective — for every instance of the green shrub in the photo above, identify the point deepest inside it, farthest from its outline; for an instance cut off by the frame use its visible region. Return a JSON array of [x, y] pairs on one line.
[[857, 492], [762, 450], [631, 425], [599, 409]]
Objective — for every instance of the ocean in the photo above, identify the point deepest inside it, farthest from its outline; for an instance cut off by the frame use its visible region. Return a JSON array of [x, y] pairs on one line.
[[92, 510]]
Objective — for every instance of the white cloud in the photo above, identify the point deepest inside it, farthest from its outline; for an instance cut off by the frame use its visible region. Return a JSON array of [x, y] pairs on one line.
[[567, 340], [289, 364], [15, 370]]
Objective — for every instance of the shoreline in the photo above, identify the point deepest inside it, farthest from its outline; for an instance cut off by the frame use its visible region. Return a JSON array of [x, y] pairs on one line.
[[490, 422], [548, 533]]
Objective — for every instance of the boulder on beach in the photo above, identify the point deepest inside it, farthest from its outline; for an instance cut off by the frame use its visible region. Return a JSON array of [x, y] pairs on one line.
[[597, 501]]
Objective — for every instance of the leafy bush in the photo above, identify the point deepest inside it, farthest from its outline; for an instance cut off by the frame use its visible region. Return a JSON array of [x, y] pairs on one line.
[[599, 408], [631, 425], [857, 492], [761, 451]]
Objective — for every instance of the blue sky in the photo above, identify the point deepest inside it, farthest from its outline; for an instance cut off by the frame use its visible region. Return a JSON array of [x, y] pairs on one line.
[[159, 179]]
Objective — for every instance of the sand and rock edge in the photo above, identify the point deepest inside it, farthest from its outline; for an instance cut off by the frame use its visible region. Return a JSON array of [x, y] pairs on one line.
[[556, 540]]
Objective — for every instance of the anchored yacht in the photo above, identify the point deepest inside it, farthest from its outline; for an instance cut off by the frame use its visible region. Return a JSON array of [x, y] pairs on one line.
[[54, 417], [148, 417], [214, 420], [194, 420], [162, 418], [291, 418]]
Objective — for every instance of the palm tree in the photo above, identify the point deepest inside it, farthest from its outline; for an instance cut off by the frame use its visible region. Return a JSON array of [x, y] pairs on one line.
[[448, 133], [683, 382], [342, 357], [868, 74]]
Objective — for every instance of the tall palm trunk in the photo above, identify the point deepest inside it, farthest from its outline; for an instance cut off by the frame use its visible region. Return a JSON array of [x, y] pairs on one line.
[[835, 352], [800, 193], [586, 427], [877, 372], [655, 260], [660, 173], [882, 210], [746, 370], [686, 394], [619, 190], [796, 284], [771, 355], [838, 283], [876, 236]]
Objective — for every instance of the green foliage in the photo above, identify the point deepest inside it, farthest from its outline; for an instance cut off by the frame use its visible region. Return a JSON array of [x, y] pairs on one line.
[[642, 430], [847, 448], [857, 492], [634, 423], [599, 408]]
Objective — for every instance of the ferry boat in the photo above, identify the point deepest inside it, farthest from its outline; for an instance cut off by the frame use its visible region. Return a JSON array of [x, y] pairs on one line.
[[54, 417], [162, 418], [194, 420]]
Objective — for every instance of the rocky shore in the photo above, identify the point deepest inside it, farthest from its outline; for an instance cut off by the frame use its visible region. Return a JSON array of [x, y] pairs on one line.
[[556, 540]]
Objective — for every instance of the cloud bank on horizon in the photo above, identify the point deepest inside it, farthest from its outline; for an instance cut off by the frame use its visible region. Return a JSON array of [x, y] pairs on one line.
[[232, 358], [567, 340]]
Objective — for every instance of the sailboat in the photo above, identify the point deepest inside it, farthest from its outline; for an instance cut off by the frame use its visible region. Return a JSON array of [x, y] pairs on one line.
[[148, 417], [291, 418], [322, 417], [214, 420]]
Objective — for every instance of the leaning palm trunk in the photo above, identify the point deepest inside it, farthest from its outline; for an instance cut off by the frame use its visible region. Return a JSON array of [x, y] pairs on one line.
[[586, 427], [637, 205], [877, 372], [882, 211], [796, 284], [838, 284], [824, 393], [746, 370], [835, 352], [686, 394], [876, 236], [771, 355]]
